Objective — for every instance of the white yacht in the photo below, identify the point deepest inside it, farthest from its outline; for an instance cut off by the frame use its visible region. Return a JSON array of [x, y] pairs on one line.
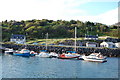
[[95, 57]]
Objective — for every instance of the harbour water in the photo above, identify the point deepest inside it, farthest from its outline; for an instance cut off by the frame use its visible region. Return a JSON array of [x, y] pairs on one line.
[[36, 67]]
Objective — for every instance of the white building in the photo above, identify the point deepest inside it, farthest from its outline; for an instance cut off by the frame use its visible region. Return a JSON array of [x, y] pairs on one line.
[[91, 44], [18, 39], [107, 44], [117, 45]]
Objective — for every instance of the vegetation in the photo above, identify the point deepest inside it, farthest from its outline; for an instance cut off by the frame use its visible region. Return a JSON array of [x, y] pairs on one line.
[[36, 29]]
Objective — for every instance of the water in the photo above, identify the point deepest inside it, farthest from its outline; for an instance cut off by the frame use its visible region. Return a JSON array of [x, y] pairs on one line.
[[36, 67]]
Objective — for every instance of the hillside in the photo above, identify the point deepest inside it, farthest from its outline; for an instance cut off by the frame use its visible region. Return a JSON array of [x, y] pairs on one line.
[[36, 29]]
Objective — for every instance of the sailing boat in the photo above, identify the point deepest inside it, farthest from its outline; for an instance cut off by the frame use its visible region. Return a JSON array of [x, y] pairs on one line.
[[44, 53], [70, 54]]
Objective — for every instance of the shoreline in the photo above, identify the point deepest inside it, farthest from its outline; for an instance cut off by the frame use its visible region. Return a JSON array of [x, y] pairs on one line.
[[115, 52]]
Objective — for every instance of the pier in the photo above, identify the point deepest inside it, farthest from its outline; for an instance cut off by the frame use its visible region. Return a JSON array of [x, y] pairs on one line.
[[109, 52]]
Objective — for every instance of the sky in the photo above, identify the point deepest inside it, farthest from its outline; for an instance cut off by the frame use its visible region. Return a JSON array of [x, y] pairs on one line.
[[102, 11]]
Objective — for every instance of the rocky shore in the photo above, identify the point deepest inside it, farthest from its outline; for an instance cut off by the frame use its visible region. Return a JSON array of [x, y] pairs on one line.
[[60, 49]]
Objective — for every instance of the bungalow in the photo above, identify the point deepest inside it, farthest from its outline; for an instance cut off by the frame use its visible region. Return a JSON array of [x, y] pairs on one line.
[[18, 39], [91, 44], [107, 44], [91, 37], [117, 45]]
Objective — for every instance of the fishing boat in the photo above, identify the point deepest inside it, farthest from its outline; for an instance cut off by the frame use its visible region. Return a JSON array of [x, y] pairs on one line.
[[23, 52], [44, 54], [9, 51], [53, 55], [95, 57]]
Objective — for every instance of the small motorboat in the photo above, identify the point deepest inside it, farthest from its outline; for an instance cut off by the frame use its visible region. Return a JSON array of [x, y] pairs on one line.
[[9, 51], [43, 53], [95, 57], [33, 53], [23, 52], [53, 55]]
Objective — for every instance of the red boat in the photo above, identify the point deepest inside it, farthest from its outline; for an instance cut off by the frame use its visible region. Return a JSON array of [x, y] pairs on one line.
[[67, 56]]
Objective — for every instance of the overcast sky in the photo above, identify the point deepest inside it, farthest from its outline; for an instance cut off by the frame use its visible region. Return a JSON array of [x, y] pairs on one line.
[[103, 11]]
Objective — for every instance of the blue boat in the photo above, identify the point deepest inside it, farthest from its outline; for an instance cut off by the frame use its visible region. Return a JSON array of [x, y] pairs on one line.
[[23, 52]]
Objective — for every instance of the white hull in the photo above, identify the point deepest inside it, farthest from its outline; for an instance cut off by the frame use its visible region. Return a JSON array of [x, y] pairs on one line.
[[44, 55], [95, 60]]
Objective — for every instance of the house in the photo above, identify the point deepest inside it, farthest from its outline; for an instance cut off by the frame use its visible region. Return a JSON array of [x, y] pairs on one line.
[[91, 44], [18, 39], [117, 45], [112, 40], [91, 37], [107, 44]]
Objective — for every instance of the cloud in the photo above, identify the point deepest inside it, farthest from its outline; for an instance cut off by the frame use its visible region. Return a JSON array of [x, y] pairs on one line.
[[109, 18], [39, 9], [105, 0], [52, 9]]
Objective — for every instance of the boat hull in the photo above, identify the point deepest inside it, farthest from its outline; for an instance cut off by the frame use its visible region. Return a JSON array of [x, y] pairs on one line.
[[96, 60], [53, 56], [6, 52], [68, 57], [22, 54], [32, 54]]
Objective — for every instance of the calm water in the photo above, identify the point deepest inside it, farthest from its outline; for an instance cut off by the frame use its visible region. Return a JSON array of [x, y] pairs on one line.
[[36, 67]]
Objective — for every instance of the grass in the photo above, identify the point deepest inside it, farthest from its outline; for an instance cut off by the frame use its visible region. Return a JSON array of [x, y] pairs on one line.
[[51, 41]]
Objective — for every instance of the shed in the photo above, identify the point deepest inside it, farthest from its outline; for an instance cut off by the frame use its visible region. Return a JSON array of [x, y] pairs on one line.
[[91, 44]]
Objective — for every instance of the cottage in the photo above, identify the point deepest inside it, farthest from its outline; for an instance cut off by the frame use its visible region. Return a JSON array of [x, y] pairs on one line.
[[107, 44], [18, 39], [117, 45], [91, 37], [91, 44]]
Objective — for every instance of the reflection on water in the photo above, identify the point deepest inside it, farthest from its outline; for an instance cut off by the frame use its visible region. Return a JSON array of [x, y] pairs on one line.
[[36, 67]]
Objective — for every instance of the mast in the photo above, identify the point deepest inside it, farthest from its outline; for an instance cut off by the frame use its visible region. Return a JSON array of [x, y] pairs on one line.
[[75, 37], [46, 40]]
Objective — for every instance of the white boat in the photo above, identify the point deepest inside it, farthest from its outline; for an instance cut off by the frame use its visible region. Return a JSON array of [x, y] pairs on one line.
[[9, 51], [43, 54], [95, 57], [53, 54]]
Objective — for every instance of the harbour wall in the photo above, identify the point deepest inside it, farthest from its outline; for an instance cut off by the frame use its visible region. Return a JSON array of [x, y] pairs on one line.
[[62, 49]]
